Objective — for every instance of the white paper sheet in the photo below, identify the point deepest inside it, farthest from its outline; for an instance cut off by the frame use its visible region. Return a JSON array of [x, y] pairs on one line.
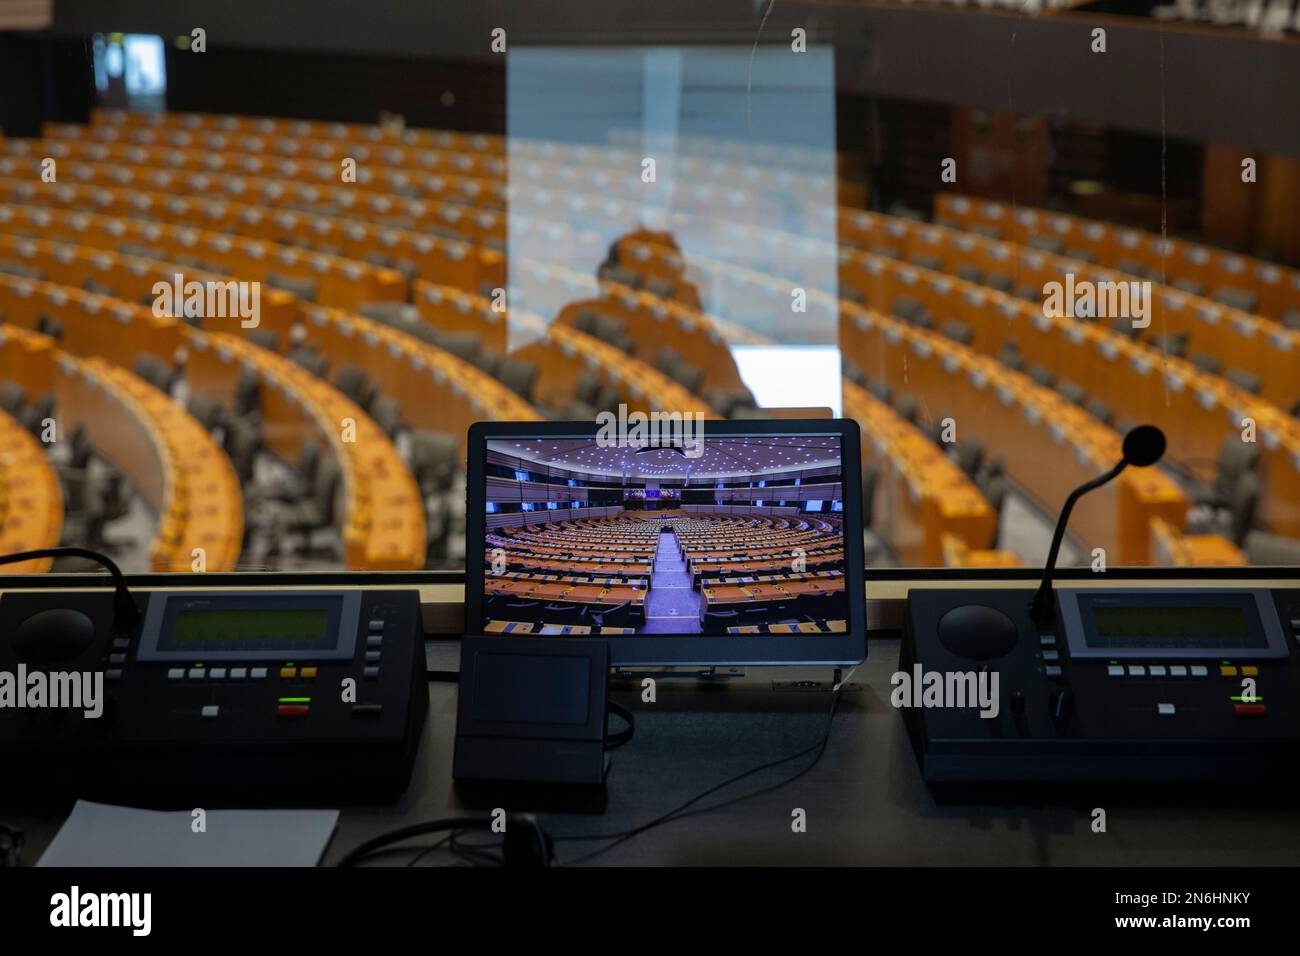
[[97, 834]]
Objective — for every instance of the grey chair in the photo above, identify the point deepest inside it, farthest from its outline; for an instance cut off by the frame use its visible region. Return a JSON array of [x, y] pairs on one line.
[[1207, 363], [1072, 392], [305, 289], [1234, 298], [433, 460], [1246, 381], [156, 372], [355, 384], [957, 331], [518, 376]]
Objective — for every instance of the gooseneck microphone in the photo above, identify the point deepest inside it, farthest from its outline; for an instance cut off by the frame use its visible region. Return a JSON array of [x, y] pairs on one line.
[[1143, 446]]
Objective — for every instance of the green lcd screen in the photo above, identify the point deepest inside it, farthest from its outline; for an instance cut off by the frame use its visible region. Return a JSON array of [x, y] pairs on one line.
[[1223, 623], [286, 627]]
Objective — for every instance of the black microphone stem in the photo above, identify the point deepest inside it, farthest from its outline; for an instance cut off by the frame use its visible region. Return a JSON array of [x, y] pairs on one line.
[[1042, 608]]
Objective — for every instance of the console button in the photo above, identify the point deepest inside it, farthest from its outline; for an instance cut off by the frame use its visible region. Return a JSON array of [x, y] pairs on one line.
[[1156, 670], [1177, 670], [1228, 670], [1051, 655], [1165, 710], [115, 674], [1047, 640], [117, 658], [371, 673], [1053, 670], [211, 710], [1200, 670], [288, 673], [1250, 670], [217, 673], [238, 673], [1115, 670], [1137, 670], [1249, 710], [376, 626], [367, 710], [372, 657], [121, 643], [257, 673], [308, 672], [293, 710], [175, 673], [374, 640], [197, 673]]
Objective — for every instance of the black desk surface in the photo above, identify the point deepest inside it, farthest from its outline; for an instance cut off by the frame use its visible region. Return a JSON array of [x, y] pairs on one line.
[[864, 802]]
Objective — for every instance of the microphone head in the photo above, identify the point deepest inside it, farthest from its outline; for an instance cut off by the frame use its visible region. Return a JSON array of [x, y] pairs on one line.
[[1144, 445]]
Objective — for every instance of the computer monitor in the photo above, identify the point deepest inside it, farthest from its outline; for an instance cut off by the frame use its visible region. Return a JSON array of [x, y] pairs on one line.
[[736, 542]]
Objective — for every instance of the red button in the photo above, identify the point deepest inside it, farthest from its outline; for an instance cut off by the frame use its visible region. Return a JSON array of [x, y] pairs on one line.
[[1249, 710], [292, 710]]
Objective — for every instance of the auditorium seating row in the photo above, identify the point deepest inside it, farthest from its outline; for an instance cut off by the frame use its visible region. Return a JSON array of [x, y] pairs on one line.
[[1196, 408], [1276, 288], [383, 527], [332, 280], [760, 167], [31, 504], [920, 496], [562, 354], [280, 182], [1232, 337], [168, 457], [384, 524]]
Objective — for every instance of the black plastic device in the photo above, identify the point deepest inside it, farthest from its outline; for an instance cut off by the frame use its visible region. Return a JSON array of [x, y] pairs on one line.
[[256, 696], [1133, 685]]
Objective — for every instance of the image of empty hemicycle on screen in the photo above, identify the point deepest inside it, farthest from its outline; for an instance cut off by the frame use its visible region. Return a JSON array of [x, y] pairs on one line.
[[744, 538]]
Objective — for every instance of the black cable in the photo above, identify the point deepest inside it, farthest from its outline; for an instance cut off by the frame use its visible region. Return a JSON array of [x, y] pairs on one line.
[[125, 613], [679, 812], [614, 741], [358, 853]]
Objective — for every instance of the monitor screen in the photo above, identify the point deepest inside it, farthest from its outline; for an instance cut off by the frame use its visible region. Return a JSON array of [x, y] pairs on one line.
[[741, 537]]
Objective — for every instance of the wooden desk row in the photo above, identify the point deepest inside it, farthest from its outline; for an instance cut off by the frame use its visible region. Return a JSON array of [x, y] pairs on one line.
[[801, 627], [1196, 410], [131, 120], [448, 261], [435, 390], [1278, 287], [414, 148], [93, 325], [31, 501], [1173, 548], [1235, 338], [589, 594], [387, 177], [729, 595], [383, 525], [166, 455], [304, 165], [528, 561], [560, 353], [550, 630], [653, 322], [341, 282], [1049, 445], [132, 278], [921, 496]]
